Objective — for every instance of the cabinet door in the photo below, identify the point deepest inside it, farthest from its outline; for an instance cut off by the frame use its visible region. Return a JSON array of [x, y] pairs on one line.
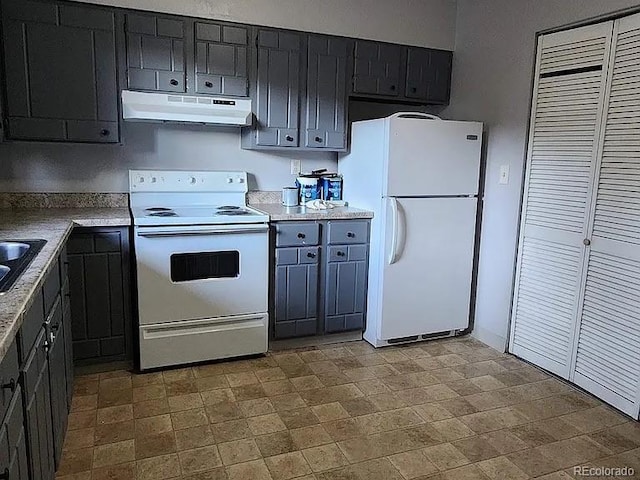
[[38, 411], [563, 146], [326, 93], [277, 88], [296, 292], [607, 356], [346, 290], [13, 443], [68, 344], [155, 53], [221, 59], [66, 323], [428, 75], [57, 381], [99, 295], [60, 66], [377, 68]]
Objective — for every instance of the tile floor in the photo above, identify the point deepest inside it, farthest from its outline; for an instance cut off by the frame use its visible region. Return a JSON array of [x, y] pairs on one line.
[[451, 409]]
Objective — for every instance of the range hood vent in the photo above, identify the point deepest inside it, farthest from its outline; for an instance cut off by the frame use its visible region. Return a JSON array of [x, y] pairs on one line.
[[164, 107]]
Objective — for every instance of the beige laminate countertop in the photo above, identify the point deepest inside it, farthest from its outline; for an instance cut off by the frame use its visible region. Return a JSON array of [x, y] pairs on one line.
[[278, 212], [53, 225]]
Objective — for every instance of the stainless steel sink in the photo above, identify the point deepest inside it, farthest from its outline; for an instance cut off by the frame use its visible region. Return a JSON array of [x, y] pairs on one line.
[[10, 251], [15, 257], [4, 271]]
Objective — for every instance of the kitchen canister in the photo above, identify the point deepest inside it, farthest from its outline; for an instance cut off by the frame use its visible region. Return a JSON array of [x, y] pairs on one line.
[[290, 196], [310, 187], [332, 186]]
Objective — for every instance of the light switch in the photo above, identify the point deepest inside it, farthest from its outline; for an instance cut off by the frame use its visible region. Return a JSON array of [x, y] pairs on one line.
[[504, 175], [296, 167]]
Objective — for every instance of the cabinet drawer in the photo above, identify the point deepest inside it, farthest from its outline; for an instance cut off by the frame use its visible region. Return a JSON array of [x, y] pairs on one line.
[[297, 234], [33, 321], [349, 232], [9, 370], [296, 256], [51, 287], [344, 253]]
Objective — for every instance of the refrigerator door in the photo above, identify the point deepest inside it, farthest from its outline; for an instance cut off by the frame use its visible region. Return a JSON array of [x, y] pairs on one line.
[[432, 157], [428, 261]]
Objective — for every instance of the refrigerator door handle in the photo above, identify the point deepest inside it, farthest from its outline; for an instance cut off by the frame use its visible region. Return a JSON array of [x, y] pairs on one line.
[[394, 253], [425, 116]]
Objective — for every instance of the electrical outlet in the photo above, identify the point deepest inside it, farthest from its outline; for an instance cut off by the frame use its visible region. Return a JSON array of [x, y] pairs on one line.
[[504, 175], [296, 167]]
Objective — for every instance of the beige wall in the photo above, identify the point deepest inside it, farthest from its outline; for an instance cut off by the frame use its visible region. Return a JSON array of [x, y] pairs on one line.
[[492, 78], [429, 23]]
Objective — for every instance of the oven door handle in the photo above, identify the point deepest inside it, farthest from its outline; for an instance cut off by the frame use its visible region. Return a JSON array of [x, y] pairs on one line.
[[180, 233]]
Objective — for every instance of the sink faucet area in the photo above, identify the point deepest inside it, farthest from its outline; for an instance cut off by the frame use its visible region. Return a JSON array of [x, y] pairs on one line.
[[15, 256]]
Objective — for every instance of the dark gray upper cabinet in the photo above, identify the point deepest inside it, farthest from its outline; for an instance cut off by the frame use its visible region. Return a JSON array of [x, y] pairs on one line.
[[377, 68], [155, 52], [99, 284], [428, 75], [221, 59], [324, 110], [276, 90], [60, 68]]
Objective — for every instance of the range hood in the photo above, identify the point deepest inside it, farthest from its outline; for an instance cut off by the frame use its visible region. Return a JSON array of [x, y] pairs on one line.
[[185, 108]]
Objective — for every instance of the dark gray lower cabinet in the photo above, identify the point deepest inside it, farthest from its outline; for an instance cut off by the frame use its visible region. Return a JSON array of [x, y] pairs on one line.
[[57, 379], [45, 382], [99, 294], [320, 277], [296, 302], [13, 442], [38, 412], [14, 461], [346, 288]]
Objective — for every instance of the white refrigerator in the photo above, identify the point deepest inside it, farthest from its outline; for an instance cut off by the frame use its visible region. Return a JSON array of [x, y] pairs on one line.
[[419, 175]]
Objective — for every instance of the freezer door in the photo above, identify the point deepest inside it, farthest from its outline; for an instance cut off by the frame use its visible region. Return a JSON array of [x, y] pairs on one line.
[[426, 282], [432, 157]]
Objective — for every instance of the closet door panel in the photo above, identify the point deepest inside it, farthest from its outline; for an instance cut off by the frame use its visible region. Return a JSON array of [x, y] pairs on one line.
[[566, 114], [608, 347]]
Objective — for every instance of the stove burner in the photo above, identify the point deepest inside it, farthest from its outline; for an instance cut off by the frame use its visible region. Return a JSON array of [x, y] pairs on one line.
[[158, 209], [233, 212], [229, 207], [163, 213]]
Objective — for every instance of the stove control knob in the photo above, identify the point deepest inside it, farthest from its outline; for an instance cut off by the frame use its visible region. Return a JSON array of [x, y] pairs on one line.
[[193, 180], [240, 180], [140, 179], [154, 179], [229, 180]]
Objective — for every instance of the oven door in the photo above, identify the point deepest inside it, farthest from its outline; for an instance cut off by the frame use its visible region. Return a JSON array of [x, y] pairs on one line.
[[194, 272]]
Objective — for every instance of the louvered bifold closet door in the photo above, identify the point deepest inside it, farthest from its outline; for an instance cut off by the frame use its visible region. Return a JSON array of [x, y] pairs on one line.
[[566, 112], [607, 361]]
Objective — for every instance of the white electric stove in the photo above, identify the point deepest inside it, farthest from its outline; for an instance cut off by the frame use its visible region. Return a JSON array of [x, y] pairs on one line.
[[202, 267]]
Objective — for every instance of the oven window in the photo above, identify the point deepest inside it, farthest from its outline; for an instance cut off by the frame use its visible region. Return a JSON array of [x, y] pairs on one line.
[[198, 266]]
